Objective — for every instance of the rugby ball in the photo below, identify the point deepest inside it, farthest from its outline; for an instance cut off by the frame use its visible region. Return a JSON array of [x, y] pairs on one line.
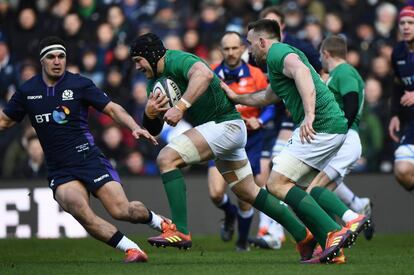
[[169, 88]]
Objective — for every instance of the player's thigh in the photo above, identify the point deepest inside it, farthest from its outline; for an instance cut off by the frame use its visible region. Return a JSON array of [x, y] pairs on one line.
[[239, 177], [73, 197], [404, 160], [112, 197], [226, 139], [185, 149], [216, 183], [346, 157]]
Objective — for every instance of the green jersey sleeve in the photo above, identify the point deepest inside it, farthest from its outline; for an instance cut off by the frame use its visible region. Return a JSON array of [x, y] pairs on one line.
[[182, 65], [347, 83], [277, 55]]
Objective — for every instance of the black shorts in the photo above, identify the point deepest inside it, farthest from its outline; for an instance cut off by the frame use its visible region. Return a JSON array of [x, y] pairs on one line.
[[93, 173]]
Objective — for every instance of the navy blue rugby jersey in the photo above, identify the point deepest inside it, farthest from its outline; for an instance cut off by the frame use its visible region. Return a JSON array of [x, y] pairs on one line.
[[59, 115], [403, 65]]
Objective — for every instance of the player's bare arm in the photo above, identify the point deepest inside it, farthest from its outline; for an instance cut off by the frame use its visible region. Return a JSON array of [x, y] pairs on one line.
[[258, 99], [199, 78], [295, 69], [5, 121], [120, 115]]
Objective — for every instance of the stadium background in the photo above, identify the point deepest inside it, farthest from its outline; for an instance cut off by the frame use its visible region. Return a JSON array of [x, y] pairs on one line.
[[97, 33]]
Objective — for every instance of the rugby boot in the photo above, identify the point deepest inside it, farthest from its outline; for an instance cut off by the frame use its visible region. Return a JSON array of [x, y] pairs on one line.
[[227, 227], [338, 259], [334, 242], [171, 237], [306, 246], [358, 224], [135, 255]]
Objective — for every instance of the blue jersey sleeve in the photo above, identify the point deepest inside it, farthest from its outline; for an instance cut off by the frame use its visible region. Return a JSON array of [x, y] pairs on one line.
[[94, 96], [15, 108]]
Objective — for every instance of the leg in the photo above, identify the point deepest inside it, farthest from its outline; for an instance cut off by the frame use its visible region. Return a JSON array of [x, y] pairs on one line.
[[184, 149], [404, 173], [243, 186], [113, 198], [74, 199], [217, 190], [244, 220]]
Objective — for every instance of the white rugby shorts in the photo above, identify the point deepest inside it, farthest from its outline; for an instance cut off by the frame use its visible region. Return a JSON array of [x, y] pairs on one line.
[[404, 152], [226, 139], [348, 154], [297, 160]]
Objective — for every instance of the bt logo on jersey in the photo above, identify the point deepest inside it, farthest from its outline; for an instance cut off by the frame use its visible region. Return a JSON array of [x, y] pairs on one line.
[[60, 114]]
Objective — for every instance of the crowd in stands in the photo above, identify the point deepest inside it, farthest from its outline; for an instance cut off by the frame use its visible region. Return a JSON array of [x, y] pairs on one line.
[[97, 34]]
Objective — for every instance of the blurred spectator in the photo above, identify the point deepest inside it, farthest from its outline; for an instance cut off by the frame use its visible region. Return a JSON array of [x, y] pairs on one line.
[[314, 33], [120, 26], [115, 87], [364, 43], [57, 12], [28, 69], [210, 25], [90, 68], [381, 69], [74, 37], [8, 72], [334, 25], [385, 22], [294, 19], [25, 35], [135, 165], [192, 44], [112, 146], [34, 166], [173, 42], [104, 49], [16, 152]]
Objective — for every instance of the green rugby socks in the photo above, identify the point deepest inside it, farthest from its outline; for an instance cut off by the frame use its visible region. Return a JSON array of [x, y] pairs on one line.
[[174, 186], [314, 217], [277, 210]]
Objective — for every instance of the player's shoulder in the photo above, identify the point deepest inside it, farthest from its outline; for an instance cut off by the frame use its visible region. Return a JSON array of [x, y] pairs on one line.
[[77, 79], [32, 84]]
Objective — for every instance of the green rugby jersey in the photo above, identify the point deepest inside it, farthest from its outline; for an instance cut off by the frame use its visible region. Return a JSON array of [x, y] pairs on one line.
[[329, 118], [213, 105], [342, 80]]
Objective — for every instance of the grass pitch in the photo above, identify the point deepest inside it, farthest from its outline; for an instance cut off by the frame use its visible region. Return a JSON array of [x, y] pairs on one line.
[[385, 254]]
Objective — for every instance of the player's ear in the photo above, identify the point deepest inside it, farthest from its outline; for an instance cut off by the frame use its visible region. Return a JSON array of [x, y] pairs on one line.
[[262, 42]]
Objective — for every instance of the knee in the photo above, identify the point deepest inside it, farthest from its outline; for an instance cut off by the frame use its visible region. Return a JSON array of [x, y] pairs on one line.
[[164, 161], [216, 196], [404, 176], [119, 211]]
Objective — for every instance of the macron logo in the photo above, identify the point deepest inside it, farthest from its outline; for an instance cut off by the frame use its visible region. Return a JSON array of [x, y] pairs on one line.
[[32, 97], [101, 178]]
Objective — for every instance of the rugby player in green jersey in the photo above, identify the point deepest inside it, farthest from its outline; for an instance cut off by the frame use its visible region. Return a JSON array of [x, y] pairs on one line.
[[348, 88], [219, 134], [322, 131]]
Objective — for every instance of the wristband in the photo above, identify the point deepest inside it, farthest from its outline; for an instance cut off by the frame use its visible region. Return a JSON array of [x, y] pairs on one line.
[[187, 104]]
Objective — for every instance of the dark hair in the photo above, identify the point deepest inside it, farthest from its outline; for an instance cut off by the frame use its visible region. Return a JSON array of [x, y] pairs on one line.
[[267, 26], [274, 10], [51, 40], [335, 45]]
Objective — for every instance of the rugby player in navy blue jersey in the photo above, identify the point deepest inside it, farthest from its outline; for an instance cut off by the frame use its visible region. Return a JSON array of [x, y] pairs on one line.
[[57, 102], [401, 127]]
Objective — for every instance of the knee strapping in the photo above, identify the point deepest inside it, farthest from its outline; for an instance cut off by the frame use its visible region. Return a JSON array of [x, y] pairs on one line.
[[185, 148], [240, 174]]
